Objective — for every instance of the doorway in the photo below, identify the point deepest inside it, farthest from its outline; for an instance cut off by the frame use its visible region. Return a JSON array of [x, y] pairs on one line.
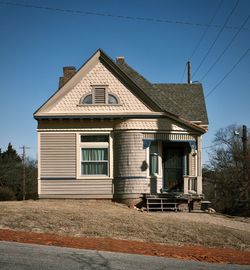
[[173, 157]]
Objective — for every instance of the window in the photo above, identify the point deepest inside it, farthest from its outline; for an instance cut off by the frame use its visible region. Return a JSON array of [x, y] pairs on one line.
[[99, 96], [94, 138], [112, 99], [153, 158], [87, 99], [94, 161], [95, 155]]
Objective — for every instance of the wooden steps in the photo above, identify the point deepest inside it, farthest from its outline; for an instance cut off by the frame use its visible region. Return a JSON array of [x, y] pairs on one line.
[[162, 204]]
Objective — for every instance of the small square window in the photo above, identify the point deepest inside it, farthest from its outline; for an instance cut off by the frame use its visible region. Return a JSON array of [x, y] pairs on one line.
[[94, 138]]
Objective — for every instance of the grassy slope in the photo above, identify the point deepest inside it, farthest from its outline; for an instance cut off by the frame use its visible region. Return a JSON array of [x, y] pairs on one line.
[[107, 219]]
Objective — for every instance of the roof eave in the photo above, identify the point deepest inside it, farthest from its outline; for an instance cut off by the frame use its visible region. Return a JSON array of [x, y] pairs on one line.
[[186, 122], [110, 64]]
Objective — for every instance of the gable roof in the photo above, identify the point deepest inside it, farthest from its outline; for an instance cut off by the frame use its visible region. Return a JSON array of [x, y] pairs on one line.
[[183, 102]]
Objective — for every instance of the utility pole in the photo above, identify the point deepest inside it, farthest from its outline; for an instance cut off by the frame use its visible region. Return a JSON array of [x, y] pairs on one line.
[[245, 160], [24, 172], [189, 72]]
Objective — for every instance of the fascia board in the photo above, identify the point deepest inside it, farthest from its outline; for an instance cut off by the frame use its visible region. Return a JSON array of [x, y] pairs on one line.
[[83, 70]]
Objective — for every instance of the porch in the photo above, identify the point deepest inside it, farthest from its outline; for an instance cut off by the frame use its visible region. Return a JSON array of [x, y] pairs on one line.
[[174, 166], [175, 201]]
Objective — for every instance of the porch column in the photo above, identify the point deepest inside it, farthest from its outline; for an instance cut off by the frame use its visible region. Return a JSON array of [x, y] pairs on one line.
[[185, 189], [199, 165]]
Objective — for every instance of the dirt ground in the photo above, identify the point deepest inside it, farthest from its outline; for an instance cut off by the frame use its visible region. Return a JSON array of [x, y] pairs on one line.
[[195, 253], [78, 219]]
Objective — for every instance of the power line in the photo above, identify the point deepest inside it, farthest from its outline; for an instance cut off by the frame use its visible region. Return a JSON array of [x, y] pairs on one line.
[[217, 37], [204, 33], [210, 146], [227, 47], [72, 11], [226, 75], [183, 73]]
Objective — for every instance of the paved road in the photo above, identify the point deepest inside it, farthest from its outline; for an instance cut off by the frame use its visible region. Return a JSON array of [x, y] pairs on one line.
[[36, 257]]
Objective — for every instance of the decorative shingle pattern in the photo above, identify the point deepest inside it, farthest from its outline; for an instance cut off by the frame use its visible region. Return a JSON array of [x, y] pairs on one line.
[[156, 124], [99, 75]]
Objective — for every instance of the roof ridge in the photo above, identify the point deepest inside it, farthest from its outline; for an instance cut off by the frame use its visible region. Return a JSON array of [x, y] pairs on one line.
[[149, 84], [190, 84]]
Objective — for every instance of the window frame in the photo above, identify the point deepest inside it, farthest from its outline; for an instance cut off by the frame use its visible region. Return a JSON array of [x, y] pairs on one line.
[[82, 99], [154, 154], [159, 160], [107, 93], [95, 146], [83, 145]]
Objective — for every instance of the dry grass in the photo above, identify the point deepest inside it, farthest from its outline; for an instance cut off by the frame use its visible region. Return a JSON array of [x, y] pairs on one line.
[[106, 219]]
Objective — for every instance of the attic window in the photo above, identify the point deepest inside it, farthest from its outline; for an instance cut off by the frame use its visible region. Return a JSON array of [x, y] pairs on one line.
[[112, 99], [88, 99], [100, 96]]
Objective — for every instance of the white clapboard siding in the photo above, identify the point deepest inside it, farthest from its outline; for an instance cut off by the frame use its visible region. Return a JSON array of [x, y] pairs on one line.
[[89, 188], [57, 155]]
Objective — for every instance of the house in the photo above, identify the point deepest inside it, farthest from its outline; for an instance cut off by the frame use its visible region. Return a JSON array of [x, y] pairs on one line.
[[109, 133]]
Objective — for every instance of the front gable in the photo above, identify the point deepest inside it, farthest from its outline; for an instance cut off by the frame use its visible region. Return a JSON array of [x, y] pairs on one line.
[[136, 97], [93, 74], [99, 76]]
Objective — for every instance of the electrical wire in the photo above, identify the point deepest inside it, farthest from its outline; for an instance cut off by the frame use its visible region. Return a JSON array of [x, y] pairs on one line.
[[228, 73], [206, 30], [210, 146], [217, 37], [227, 47], [72, 11], [183, 73]]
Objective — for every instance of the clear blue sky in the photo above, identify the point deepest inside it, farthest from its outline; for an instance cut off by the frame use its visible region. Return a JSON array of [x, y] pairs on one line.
[[37, 43]]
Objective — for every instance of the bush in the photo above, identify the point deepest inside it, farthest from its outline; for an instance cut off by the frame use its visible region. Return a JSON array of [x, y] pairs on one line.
[[6, 194]]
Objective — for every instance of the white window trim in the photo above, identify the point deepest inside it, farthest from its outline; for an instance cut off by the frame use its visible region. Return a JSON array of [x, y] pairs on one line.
[[107, 145], [159, 174], [107, 93]]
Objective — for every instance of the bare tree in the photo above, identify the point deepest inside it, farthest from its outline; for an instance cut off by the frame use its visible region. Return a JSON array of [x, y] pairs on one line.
[[224, 178]]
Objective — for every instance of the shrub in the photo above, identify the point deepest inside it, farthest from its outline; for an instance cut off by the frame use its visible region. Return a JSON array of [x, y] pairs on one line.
[[6, 194]]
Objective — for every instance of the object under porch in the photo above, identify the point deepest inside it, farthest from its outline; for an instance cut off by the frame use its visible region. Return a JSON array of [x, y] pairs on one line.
[[171, 201]]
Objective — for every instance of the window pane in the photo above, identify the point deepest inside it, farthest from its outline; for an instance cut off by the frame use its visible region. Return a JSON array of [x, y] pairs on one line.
[[94, 154], [94, 168], [153, 164], [94, 138], [154, 148], [87, 100], [153, 160], [112, 99]]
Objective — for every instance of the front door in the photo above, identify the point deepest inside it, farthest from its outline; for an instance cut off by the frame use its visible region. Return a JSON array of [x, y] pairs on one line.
[[173, 168]]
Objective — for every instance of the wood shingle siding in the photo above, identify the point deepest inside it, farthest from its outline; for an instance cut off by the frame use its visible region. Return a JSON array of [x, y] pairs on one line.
[[58, 155], [130, 188], [168, 114], [130, 165]]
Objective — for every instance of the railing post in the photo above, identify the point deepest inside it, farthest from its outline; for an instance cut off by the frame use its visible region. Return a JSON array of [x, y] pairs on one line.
[[185, 184], [199, 185]]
